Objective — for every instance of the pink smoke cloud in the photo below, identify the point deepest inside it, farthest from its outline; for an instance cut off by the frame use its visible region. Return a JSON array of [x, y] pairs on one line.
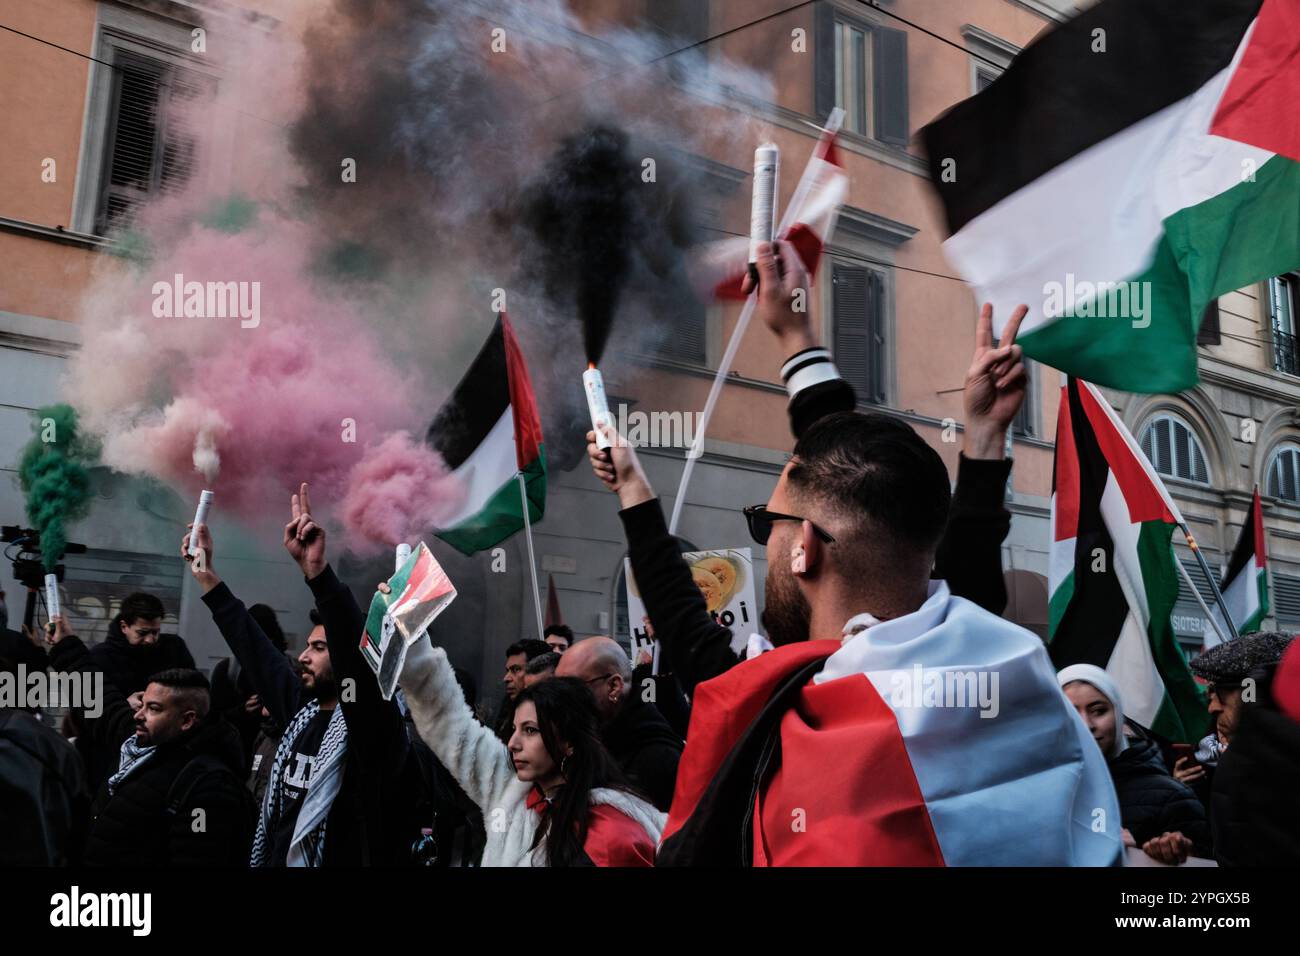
[[397, 493]]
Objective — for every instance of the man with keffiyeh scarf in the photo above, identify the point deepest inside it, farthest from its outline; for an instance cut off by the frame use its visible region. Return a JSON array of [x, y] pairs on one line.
[[343, 790]]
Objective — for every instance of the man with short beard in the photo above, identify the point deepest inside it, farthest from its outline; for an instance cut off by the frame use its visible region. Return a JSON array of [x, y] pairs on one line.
[[343, 789], [819, 752]]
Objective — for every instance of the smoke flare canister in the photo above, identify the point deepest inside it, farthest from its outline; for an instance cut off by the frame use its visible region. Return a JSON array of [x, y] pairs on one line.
[[200, 517], [52, 595], [403, 555], [762, 211], [597, 405]]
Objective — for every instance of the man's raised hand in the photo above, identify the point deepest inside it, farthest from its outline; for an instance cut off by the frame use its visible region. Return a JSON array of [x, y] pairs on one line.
[[783, 296], [304, 539], [995, 385], [200, 564], [618, 468]]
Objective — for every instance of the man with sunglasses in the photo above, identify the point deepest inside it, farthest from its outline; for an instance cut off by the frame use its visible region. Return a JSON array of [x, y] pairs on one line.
[[816, 753]]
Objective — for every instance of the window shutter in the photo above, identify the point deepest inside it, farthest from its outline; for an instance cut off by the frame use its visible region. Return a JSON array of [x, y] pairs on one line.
[[891, 86], [1286, 598], [849, 301], [133, 126], [687, 339], [1164, 458], [823, 59], [876, 337], [1024, 422], [1209, 331]]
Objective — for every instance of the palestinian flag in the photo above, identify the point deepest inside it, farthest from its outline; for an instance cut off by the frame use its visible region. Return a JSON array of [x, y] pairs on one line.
[[807, 225], [1245, 585], [488, 433], [1128, 168], [417, 593], [1112, 577]]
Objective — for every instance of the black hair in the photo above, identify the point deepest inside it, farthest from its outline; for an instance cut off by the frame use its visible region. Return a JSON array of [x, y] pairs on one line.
[[189, 684], [874, 466], [140, 607], [265, 617], [559, 630], [315, 618], [566, 714], [543, 663], [530, 647]]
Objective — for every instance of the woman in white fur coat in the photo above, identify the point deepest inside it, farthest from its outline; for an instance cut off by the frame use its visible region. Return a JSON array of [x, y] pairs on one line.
[[552, 796]]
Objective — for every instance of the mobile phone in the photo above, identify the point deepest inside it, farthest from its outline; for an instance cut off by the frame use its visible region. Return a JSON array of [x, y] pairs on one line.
[[1184, 750]]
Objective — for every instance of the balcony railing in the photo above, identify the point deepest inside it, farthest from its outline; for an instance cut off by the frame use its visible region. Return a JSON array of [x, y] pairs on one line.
[[1286, 352]]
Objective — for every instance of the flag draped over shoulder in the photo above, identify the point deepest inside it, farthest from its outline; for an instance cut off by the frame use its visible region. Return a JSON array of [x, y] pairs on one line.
[[807, 224], [1112, 579], [1245, 583], [1129, 167], [489, 432]]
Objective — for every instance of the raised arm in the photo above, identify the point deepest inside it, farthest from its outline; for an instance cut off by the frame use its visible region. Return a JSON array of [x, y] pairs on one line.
[[272, 675], [108, 725], [472, 753]]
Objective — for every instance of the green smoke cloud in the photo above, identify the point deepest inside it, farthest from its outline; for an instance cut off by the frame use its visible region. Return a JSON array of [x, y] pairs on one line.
[[55, 477]]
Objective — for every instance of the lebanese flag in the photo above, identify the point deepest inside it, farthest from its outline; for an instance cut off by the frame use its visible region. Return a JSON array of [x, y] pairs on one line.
[[939, 738], [807, 225], [1129, 167], [1112, 580], [488, 433], [1245, 584]]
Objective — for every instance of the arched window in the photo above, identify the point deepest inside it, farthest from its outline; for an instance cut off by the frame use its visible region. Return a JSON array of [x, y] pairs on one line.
[[1284, 473], [1174, 450]]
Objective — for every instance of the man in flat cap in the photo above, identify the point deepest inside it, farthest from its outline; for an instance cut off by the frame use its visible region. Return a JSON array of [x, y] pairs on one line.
[[1253, 813]]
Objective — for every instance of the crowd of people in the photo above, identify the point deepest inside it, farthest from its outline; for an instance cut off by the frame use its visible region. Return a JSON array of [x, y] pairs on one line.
[[796, 752]]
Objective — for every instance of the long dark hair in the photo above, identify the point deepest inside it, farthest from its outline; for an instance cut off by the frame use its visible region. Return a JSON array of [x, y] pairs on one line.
[[566, 714]]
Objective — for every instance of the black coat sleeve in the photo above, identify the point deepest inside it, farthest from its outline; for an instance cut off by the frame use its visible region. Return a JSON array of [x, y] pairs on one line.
[[115, 720], [273, 677], [376, 731], [970, 554], [692, 645]]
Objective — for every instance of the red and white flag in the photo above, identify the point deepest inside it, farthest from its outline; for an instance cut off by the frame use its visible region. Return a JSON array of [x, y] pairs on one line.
[[807, 224]]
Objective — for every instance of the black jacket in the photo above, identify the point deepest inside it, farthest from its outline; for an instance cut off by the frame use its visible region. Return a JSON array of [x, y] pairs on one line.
[[44, 804], [1254, 811], [1151, 802], [374, 819], [132, 826], [645, 747], [130, 667]]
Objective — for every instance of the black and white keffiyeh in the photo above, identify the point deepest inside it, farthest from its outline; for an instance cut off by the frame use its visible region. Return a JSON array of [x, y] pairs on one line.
[[308, 845]]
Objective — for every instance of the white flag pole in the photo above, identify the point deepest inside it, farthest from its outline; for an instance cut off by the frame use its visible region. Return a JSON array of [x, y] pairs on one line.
[[1200, 600], [733, 346], [532, 562]]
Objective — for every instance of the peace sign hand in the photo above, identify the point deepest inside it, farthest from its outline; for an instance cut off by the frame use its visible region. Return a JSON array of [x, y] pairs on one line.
[[995, 385], [304, 539]]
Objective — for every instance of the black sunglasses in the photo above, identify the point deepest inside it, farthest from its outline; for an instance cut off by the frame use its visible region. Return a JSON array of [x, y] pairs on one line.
[[761, 520]]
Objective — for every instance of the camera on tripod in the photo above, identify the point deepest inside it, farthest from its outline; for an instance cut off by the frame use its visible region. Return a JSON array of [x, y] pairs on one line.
[[29, 569]]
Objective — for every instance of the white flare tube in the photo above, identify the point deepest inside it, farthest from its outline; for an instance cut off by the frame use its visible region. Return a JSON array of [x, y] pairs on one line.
[[200, 518], [52, 595], [403, 555], [597, 404], [762, 210]]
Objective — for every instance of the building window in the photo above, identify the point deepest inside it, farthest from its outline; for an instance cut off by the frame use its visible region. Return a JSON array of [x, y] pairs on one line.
[[1282, 317], [1022, 426], [862, 68], [857, 307], [984, 76], [1286, 601], [1174, 450], [150, 143], [1284, 474]]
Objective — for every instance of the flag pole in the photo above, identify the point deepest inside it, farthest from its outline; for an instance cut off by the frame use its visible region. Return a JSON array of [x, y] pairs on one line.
[[1214, 585], [802, 189], [532, 562], [1200, 600]]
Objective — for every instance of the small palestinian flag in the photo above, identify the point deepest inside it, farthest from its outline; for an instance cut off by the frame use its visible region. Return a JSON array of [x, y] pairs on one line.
[[808, 223], [1128, 168], [1112, 577], [1245, 585], [418, 592], [488, 433]]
